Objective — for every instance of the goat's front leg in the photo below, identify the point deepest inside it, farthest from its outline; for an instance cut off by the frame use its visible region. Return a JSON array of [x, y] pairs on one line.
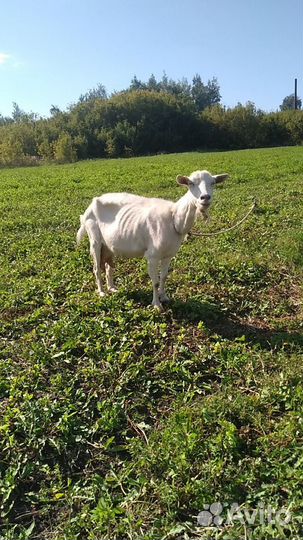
[[153, 272], [163, 275]]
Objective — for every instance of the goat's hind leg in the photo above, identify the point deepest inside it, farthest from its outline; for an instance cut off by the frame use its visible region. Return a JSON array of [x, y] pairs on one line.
[[94, 236], [107, 265]]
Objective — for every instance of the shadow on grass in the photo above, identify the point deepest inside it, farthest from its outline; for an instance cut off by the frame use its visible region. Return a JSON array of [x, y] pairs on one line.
[[219, 322]]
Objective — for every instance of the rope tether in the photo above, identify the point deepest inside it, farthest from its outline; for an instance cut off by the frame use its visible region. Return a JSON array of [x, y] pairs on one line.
[[254, 205]]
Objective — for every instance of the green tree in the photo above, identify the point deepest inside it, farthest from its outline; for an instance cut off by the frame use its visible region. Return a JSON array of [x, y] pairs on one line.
[[181, 87], [64, 151], [288, 103], [18, 114], [54, 110], [136, 84], [177, 88], [46, 150], [205, 95], [94, 93], [152, 83], [4, 120], [11, 152], [151, 121]]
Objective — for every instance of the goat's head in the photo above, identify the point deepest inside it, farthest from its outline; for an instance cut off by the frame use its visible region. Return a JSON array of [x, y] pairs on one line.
[[200, 185]]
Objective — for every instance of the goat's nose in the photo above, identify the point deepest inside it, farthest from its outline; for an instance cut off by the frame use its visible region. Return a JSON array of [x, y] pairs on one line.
[[205, 197]]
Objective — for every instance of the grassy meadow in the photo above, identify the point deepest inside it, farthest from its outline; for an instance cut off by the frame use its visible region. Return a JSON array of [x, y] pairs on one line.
[[119, 422]]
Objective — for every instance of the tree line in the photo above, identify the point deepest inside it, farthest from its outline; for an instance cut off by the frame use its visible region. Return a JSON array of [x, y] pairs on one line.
[[146, 118]]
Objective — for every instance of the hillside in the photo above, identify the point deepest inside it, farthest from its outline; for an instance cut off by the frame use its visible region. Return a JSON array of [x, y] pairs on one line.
[[121, 422]]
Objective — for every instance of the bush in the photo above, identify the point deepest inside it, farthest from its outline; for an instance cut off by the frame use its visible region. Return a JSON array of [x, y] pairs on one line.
[[140, 122], [63, 149]]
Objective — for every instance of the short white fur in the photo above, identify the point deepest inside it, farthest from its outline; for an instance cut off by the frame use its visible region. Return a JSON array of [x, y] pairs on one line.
[[122, 224]]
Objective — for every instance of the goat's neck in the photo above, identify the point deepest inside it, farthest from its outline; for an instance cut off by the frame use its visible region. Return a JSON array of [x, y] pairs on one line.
[[184, 214]]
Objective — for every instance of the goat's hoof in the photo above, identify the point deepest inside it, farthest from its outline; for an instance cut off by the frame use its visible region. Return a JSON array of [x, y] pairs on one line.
[[112, 290], [101, 294], [157, 307]]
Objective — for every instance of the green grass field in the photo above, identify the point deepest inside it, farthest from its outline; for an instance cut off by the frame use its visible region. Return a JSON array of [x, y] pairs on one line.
[[120, 422]]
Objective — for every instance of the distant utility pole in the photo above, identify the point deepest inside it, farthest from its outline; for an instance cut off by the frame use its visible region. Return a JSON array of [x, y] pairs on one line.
[[296, 94]]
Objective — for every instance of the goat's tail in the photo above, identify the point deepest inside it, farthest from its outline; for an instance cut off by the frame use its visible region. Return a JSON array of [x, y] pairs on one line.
[[82, 230]]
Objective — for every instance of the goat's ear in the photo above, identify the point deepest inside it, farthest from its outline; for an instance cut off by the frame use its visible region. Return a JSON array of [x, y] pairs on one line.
[[183, 180], [219, 178]]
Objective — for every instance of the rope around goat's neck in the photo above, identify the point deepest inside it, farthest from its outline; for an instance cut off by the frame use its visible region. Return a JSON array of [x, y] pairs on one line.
[[215, 233]]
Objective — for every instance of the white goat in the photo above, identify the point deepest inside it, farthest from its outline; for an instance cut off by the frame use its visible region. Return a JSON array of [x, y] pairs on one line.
[[132, 226]]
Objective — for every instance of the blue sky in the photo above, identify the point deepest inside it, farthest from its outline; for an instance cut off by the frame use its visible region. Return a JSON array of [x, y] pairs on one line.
[[54, 50]]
